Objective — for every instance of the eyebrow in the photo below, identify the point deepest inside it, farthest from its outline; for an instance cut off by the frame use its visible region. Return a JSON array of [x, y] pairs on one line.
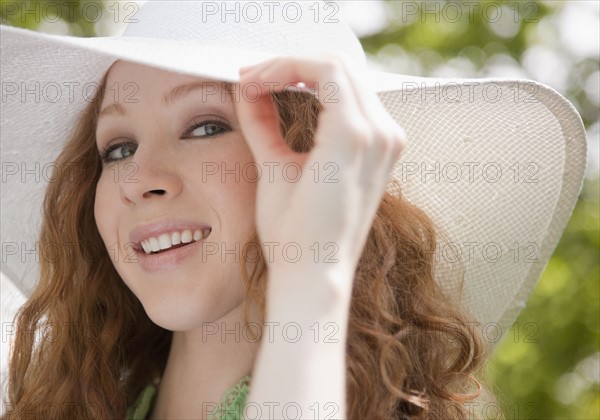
[[176, 93], [113, 109], [182, 90]]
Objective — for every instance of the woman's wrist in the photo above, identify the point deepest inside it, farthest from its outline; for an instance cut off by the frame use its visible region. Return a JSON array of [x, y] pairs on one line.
[[309, 295]]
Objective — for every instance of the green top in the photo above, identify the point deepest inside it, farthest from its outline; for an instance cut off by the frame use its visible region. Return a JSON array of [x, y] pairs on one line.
[[231, 407]]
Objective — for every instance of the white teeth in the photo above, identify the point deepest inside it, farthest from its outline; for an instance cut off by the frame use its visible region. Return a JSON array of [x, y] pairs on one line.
[[154, 245], [164, 241], [186, 236], [167, 240]]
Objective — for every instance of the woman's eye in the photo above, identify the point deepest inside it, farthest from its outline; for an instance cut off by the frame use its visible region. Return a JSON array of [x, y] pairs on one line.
[[208, 129], [118, 152]]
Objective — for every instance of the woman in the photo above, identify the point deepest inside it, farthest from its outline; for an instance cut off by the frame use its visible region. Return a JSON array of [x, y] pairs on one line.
[[352, 323]]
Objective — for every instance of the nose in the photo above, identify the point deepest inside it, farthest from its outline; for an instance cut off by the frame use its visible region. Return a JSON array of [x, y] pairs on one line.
[[150, 175]]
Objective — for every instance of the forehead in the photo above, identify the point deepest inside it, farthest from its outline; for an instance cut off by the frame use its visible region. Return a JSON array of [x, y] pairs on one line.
[[121, 70], [133, 82], [122, 73]]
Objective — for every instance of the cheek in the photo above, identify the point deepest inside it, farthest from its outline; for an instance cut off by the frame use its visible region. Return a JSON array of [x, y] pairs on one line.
[[240, 194], [105, 212], [242, 211], [231, 189]]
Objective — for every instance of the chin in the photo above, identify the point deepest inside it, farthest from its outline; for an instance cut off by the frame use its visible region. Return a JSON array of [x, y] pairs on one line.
[[186, 311]]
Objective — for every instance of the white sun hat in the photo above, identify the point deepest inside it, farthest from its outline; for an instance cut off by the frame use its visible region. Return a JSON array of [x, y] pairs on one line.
[[497, 164]]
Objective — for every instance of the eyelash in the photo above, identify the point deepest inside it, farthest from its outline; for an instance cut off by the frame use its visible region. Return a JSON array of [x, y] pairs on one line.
[[105, 153]]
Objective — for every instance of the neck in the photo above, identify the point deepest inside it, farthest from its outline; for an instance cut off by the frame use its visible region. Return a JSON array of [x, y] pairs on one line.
[[203, 364]]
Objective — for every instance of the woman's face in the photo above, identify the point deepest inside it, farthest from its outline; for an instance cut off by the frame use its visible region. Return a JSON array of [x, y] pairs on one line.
[[176, 167]]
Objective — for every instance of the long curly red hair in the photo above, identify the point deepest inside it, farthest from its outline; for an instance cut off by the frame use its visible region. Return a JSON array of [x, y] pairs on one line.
[[85, 347]]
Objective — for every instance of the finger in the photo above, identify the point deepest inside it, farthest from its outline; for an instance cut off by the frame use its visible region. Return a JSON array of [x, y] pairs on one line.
[[259, 120], [355, 108], [388, 137], [376, 113], [324, 75]]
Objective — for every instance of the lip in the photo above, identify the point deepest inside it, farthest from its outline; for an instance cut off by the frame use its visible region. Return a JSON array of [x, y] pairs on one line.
[[167, 260], [171, 258]]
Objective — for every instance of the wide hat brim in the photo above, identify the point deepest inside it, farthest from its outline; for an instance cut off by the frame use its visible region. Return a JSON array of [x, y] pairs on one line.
[[497, 164]]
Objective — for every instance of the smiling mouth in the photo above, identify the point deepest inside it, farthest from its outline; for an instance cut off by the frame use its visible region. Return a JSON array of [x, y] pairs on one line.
[[170, 241]]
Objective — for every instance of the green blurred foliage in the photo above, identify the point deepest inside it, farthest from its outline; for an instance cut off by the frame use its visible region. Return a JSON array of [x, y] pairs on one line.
[[548, 365], [448, 30], [435, 32], [80, 16]]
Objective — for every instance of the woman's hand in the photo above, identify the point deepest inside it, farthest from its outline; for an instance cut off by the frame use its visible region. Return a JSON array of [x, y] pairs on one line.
[[358, 139], [356, 143]]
